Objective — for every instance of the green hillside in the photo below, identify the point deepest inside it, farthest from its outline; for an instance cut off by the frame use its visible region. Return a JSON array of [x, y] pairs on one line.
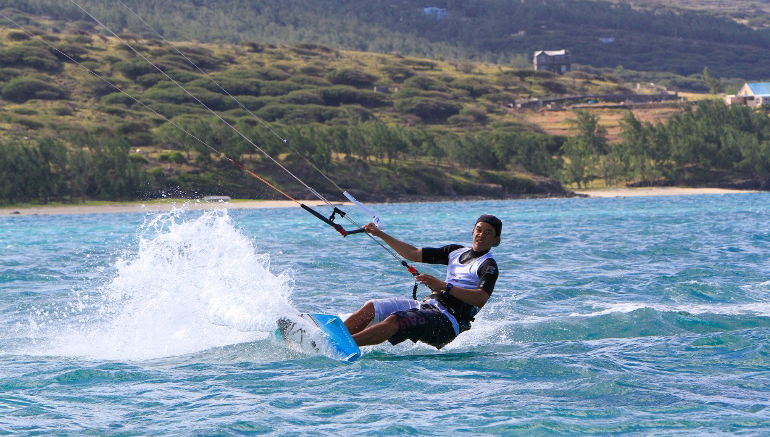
[[646, 36], [89, 116], [120, 135]]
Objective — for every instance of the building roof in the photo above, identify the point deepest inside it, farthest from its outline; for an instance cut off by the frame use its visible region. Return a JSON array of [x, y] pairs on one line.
[[759, 88], [552, 52]]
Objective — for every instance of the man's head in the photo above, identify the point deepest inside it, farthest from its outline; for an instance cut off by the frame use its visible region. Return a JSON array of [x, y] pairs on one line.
[[486, 232]]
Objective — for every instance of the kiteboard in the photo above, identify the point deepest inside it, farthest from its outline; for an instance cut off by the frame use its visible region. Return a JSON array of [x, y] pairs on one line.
[[322, 334]]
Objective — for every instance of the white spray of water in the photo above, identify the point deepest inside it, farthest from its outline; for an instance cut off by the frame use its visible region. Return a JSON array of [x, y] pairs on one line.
[[194, 284]]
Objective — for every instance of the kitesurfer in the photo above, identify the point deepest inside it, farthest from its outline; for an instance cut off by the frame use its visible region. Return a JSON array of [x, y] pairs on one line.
[[439, 318]]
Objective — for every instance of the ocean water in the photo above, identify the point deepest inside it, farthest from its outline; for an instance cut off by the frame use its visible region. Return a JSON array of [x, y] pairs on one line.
[[611, 316]]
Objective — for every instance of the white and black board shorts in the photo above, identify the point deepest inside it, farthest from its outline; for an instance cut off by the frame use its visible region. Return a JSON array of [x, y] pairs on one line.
[[416, 321]]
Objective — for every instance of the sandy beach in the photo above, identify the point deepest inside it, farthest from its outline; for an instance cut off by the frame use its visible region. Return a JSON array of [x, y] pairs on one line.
[[197, 205], [657, 191]]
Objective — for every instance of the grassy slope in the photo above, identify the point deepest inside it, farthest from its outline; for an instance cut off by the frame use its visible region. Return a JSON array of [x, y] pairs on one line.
[[84, 112]]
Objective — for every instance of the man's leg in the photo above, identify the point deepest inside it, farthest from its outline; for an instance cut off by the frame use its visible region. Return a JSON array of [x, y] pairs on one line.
[[377, 333], [360, 319]]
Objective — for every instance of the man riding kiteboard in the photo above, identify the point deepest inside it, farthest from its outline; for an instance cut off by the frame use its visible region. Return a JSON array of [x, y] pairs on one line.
[[439, 318]]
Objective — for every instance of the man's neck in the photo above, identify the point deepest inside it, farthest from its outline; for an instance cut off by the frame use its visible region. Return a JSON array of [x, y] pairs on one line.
[[471, 255]]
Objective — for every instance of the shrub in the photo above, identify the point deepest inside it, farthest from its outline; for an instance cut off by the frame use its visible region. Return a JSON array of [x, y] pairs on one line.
[[553, 86], [234, 86], [176, 157], [137, 158], [50, 38], [428, 108], [352, 113], [303, 97], [100, 88], [253, 103], [255, 47], [31, 123], [298, 114], [134, 68], [475, 87], [341, 94], [310, 80], [69, 50], [157, 173], [7, 74], [477, 114], [270, 74], [312, 70], [171, 110], [182, 76], [397, 73], [314, 47], [91, 65], [501, 98], [202, 57], [17, 36], [172, 94], [117, 111], [274, 88], [84, 25], [461, 120], [22, 89], [117, 99], [511, 184], [25, 111], [131, 127], [425, 83], [350, 77], [420, 64], [31, 55], [149, 80], [63, 110]]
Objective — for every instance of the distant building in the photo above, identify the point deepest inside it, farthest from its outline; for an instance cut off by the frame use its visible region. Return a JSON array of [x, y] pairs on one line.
[[751, 94], [557, 61], [437, 13]]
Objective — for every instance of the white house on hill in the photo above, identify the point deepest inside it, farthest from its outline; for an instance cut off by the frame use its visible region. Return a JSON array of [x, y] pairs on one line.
[[751, 94], [557, 61]]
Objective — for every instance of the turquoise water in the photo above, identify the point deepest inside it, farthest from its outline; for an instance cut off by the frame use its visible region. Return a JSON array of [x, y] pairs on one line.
[[634, 316]]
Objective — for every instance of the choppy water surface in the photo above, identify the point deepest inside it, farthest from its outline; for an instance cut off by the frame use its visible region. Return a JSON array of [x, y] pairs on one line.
[[639, 315]]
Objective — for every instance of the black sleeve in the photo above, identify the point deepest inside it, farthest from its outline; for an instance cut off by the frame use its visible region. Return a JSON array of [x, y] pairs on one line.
[[439, 255], [488, 275]]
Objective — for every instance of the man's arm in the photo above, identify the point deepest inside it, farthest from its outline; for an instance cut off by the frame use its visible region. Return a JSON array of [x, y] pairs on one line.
[[406, 250], [477, 297], [473, 296]]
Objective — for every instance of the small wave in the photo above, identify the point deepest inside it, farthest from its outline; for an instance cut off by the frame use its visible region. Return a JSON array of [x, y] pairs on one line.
[[193, 283]]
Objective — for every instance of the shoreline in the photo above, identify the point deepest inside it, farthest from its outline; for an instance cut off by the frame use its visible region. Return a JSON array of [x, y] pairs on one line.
[[658, 191], [200, 205]]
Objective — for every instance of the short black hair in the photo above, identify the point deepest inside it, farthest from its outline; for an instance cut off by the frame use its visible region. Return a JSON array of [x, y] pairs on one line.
[[492, 221]]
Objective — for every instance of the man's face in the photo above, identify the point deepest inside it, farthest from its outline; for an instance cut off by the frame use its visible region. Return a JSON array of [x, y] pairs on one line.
[[484, 237]]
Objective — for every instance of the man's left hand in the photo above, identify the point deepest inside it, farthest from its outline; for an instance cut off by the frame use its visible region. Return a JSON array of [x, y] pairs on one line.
[[431, 281]]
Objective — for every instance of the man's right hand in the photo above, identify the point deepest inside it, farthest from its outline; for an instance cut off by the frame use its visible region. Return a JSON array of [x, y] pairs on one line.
[[406, 250], [371, 228]]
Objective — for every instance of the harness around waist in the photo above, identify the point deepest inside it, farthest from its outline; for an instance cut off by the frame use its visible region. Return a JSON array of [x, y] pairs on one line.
[[463, 320]]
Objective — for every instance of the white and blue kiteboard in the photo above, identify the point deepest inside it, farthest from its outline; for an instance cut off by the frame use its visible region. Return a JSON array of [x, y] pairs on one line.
[[322, 334]]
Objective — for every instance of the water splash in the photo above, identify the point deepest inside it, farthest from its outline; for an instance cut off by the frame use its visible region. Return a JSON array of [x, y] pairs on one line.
[[195, 283]]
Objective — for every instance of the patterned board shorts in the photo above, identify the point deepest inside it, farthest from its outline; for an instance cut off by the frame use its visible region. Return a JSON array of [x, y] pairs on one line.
[[416, 322]]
